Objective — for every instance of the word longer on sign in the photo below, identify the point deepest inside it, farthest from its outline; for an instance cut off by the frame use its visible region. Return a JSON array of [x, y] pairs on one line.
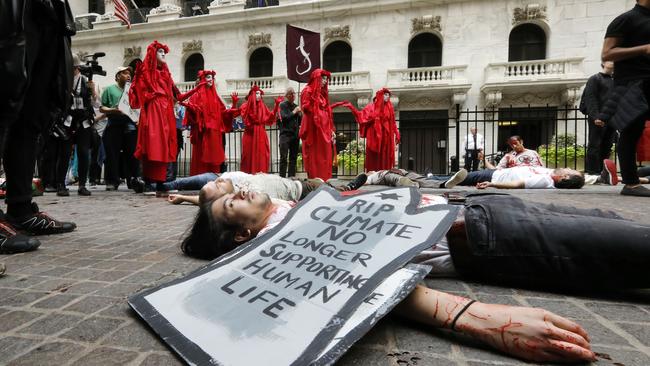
[[287, 293]]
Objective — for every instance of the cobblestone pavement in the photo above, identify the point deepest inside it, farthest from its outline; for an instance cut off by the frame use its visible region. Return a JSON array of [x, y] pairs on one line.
[[65, 303]]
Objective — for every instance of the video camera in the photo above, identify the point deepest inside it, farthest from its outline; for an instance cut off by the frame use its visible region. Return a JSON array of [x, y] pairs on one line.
[[92, 66]]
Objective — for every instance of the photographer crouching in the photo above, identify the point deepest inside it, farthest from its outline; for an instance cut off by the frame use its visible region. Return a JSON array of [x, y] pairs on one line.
[[74, 129]]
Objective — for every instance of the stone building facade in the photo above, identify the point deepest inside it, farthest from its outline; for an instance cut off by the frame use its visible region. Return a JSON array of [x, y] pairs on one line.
[[435, 55]]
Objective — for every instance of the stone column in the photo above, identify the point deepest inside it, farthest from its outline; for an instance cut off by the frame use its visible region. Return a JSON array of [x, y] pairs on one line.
[[225, 6], [168, 10]]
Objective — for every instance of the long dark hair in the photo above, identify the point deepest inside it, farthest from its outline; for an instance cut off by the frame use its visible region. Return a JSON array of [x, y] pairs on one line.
[[208, 238]]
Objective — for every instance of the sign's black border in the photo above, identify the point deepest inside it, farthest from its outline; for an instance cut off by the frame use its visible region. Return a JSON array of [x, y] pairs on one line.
[[193, 354]]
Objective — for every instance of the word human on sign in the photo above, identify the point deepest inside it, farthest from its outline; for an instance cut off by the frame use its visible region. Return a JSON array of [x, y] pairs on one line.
[[293, 287]]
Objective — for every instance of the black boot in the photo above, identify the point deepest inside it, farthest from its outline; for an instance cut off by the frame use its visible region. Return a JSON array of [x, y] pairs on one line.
[[62, 191]]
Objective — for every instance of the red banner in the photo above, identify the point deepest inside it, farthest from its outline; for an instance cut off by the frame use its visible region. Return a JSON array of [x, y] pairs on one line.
[[303, 53]]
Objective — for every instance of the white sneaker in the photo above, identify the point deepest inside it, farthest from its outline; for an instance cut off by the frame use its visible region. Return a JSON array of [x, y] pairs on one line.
[[456, 178]]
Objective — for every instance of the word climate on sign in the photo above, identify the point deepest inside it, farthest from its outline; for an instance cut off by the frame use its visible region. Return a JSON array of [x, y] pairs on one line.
[[292, 288]]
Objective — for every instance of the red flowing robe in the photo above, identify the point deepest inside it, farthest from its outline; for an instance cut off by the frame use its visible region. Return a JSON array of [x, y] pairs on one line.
[[256, 151], [316, 128], [208, 118], [153, 91], [377, 125]]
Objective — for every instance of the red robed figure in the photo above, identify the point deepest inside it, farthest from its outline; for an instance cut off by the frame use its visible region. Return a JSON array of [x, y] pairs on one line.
[[377, 125], [208, 118], [256, 151], [153, 91]]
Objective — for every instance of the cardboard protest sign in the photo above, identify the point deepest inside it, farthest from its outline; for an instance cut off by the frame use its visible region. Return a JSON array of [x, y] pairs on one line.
[[125, 106], [282, 298]]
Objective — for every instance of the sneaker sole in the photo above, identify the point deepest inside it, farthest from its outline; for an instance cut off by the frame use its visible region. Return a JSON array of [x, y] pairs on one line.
[[456, 178], [611, 171]]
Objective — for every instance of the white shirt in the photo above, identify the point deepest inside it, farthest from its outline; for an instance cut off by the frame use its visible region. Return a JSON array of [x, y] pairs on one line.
[[525, 158], [468, 144], [273, 185], [533, 177]]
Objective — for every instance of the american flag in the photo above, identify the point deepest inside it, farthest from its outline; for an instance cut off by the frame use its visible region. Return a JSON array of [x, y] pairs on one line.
[[122, 12]]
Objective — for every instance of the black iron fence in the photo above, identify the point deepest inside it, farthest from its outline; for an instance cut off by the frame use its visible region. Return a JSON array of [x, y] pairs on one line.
[[433, 140]]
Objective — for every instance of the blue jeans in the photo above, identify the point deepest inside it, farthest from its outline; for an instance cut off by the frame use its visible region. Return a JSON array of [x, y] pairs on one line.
[[473, 178], [191, 183]]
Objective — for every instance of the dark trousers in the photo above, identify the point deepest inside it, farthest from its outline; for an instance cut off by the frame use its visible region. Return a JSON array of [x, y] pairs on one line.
[[472, 179], [118, 139], [172, 169], [288, 149], [627, 141], [33, 118], [81, 138], [599, 148], [471, 160], [513, 241], [95, 171]]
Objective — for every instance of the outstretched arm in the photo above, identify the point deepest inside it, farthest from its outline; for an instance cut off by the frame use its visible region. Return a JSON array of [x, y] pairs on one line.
[[515, 184], [182, 96], [177, 199], [527, 333]]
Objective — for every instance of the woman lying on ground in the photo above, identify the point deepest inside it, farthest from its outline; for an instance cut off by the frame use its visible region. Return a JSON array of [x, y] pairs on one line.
[[564, 247]]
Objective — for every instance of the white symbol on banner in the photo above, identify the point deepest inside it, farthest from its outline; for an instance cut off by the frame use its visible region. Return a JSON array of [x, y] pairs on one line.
[[301, 47]]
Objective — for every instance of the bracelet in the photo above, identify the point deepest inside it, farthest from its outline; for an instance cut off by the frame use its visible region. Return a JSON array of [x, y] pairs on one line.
[[453, 323]]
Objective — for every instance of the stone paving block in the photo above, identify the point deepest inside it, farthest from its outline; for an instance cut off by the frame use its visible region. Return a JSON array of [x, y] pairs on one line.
[[618, 312], [561, 307], [137, 336], [143, 278], [119, 309], [131, 266], [81, 263], [498, 299], [620, 356], [86, 287], [55, 302], [413, 337], [106, 357], [480, 353], [121, 290], [84, 273], [601, 335], [23, 298], [14, 319], [13, 346], [56, 284], [90, 330], [110, 276], [364, 356], [377, 337], [106, 264], [90, 304], [52, 324], [21, 281], [8, 292], [55, 353], [639, 331], [155, 359], [58, 271], [480, 288]]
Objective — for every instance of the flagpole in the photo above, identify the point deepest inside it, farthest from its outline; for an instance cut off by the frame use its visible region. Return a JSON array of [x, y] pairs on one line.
[[135, 6]]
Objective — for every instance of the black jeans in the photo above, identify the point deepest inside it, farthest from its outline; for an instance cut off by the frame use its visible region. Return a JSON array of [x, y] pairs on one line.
[[288, 149], [599, 148], [95, 170], [19, 157], [117, 139], [81, 138], [627, 141], [512, 241], [471, 160]]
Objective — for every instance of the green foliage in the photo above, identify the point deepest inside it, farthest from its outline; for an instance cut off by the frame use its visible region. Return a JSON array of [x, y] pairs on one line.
[[353, 157], [561, 148]]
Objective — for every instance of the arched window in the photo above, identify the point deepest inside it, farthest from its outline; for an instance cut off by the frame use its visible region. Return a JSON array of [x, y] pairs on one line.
[[337, 57], [527, 42], [193, 65], [425, 50], [261, 63]]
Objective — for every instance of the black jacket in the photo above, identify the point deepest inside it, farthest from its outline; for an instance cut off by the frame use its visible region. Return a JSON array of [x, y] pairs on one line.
[[595, 94], [17, 17], [626, 103]]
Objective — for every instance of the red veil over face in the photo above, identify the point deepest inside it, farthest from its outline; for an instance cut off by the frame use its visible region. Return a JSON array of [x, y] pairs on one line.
[[209, 102]]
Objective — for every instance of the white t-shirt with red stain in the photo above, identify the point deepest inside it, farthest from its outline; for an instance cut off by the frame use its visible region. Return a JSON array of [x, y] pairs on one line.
[[437, 256], [533, 177], [525, 158]]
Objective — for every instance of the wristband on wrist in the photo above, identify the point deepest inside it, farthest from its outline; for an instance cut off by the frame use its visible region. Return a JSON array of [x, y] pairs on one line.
[[453, 323]]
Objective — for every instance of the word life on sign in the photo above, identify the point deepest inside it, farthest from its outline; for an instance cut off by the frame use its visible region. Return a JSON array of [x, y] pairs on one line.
[[125, 106], [284, 298]]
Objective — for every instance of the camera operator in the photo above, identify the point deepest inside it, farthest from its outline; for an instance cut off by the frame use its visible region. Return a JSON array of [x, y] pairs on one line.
[[75, 129], [120, 134]]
